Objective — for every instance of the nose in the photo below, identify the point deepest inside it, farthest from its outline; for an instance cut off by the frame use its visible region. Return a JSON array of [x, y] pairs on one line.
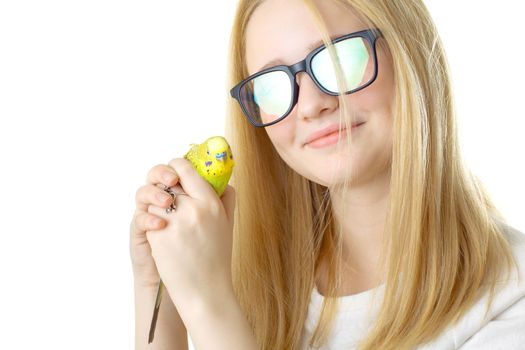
[[311, 101]]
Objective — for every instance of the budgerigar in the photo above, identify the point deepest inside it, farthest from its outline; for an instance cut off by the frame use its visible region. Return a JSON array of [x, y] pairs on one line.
[[213, 160]]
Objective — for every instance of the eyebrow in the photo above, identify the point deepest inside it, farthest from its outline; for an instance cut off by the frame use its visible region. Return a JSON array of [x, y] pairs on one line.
[[310, 47]]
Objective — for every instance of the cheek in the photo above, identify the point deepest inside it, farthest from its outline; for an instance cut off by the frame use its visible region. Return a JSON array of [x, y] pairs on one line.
[[378, 96], [282, 134]]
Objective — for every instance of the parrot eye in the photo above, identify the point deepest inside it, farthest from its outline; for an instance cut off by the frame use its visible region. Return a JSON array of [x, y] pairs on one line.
[[208, 152]]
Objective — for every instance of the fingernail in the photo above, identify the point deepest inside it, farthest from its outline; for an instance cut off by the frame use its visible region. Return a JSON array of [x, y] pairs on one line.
[[162, 197], [155, 221], [168, 177]]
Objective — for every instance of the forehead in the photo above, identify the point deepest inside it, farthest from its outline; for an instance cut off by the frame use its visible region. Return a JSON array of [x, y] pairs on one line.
[[284, 30]]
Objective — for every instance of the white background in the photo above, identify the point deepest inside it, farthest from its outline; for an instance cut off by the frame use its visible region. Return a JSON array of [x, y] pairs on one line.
[[94, 93]]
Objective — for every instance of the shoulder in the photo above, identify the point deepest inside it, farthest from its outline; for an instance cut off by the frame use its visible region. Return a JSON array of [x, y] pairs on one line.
[[516, 241], [504, 326], [515, 237]]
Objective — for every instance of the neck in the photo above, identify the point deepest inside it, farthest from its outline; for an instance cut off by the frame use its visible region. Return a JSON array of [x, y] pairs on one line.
[[363, 221]]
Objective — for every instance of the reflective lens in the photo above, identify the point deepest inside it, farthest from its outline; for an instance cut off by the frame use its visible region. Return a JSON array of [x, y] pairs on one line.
[[267, 97], [354, 56]]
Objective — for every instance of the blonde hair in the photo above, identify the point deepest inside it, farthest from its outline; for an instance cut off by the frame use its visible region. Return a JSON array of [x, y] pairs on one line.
[[442, 247]]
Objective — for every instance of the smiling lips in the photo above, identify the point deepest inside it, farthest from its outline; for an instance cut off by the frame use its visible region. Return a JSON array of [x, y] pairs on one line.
[[328, 135]]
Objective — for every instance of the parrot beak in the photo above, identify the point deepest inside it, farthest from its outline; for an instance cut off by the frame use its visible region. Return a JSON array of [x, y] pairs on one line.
[[221, 156]]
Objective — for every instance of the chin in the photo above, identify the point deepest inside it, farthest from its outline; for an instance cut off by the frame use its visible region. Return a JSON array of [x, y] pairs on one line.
[[328, 178], [324, 170]]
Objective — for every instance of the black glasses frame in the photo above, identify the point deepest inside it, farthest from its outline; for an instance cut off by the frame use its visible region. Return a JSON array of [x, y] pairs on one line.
[[370, 35]]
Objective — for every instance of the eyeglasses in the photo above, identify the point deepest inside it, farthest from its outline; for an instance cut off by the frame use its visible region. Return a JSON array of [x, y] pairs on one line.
[[268, 96]]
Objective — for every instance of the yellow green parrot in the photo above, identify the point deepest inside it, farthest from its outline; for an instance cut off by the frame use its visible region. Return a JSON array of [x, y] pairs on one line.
[[213, 160]]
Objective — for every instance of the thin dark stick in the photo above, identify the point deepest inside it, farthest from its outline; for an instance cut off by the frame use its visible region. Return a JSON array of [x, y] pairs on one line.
[[160, 292]]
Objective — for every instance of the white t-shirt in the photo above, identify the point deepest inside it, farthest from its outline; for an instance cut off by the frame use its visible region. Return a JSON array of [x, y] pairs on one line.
[[503, 329]]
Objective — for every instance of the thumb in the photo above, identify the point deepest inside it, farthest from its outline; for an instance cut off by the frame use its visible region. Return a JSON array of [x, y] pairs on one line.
[[228, 201]]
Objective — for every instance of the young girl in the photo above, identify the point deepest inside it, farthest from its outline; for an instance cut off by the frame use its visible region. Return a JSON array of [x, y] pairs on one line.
[[354, 223]]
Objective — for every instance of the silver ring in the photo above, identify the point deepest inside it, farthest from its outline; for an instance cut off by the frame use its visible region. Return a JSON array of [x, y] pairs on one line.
[[173, 195]]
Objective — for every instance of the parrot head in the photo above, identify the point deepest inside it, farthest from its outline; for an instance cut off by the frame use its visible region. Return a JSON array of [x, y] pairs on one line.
[[217, 149]]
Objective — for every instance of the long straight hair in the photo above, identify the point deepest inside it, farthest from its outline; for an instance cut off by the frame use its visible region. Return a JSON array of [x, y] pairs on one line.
[[443, 247]]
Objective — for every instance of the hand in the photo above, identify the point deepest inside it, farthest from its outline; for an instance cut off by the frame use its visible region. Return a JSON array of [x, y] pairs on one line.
[[144, 269], [193, 251]]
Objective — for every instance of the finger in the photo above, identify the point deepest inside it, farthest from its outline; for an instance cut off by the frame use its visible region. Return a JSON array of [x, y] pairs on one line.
[[192, 183], [163, 174], [151, 194], [177, 189], [178, 202], [154, 210], [143, 222], [161, 212]]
